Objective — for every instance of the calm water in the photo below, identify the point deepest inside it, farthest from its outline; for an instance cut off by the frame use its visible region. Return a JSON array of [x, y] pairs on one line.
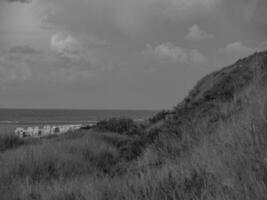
[[30, 116], [10, 119]]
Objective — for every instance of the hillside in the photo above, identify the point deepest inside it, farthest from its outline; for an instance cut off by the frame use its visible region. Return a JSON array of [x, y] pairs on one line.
[[219, 130], [212, 146]]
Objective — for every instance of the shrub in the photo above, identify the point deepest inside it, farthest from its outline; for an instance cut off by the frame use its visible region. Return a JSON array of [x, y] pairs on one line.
[[160, 116], [10, 142], [118, 125]]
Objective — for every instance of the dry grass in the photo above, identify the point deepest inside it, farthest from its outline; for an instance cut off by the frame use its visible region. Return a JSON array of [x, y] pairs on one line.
[[226, 164], [211, 149]]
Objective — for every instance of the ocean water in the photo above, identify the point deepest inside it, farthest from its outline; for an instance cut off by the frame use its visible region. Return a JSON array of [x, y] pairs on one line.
[[45, 116], [13, 118]]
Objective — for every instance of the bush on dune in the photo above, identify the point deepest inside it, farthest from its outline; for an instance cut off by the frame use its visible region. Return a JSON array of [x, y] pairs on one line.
[[162, 115], [10, 142], [118, 125]]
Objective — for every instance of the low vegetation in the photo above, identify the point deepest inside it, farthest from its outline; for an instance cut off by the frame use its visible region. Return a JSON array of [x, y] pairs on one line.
[[121, 125], [212, 146], [10, 142], [162, 115]]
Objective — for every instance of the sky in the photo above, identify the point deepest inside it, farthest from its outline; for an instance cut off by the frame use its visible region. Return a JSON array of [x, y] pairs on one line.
[[120, 54]]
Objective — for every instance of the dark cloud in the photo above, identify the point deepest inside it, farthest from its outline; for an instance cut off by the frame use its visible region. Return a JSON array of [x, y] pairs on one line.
[[90, 44], [253, 11], [24, 49], [21, 1]]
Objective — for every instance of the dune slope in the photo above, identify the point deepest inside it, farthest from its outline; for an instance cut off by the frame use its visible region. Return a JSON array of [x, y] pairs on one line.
[[213, 145]]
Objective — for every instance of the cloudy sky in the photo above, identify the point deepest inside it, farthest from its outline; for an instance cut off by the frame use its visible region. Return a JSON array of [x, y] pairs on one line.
[[126, 54]]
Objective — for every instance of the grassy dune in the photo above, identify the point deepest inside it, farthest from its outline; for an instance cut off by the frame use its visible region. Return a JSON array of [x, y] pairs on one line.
[[213, 145]]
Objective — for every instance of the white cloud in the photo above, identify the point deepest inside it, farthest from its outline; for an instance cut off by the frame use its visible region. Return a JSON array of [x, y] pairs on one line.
[[65, 44], [170, 53], [238, 50], [195, 34], [79, 48], [174, 53]]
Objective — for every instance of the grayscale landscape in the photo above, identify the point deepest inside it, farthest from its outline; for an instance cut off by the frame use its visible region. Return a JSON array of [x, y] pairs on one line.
[[133, 100]]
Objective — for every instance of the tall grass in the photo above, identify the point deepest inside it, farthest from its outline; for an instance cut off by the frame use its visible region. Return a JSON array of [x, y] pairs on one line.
[[225, 164], [212, 149], [10, 142]]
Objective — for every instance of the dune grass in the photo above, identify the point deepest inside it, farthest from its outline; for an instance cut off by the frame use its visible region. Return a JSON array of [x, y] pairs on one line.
[[211, 148], [185, 163], [10, 142]]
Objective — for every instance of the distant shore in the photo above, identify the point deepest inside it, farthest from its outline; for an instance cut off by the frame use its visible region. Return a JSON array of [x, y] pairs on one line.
[[10, 119]]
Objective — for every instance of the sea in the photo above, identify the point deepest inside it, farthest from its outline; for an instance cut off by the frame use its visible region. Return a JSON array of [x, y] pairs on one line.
[[13, 118]]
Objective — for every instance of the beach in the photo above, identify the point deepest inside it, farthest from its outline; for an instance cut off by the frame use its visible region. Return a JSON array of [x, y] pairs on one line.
[[10, 119]]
